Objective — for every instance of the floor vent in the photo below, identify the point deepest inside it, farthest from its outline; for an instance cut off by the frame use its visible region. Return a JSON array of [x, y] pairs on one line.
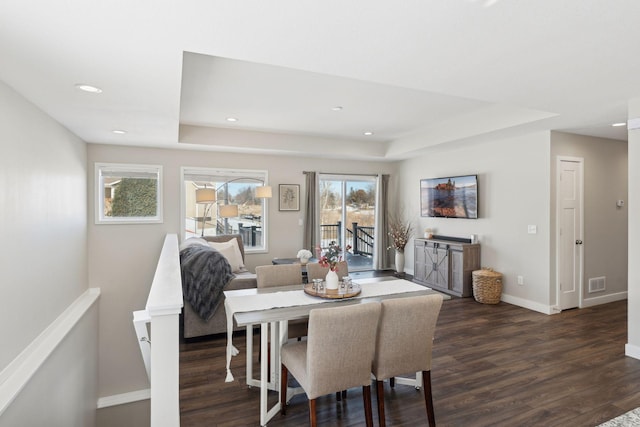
[[597, 284]]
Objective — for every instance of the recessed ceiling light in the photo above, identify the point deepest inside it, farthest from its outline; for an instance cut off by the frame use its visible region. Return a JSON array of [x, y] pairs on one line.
[[88, 88], [232, 119], [119, 131], [337, 108], [619, 124], [368, 133]]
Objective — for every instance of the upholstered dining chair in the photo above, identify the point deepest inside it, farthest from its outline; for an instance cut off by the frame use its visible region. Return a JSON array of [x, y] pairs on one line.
[[317, 271], [268, 276], [403, 345], [337, 355]]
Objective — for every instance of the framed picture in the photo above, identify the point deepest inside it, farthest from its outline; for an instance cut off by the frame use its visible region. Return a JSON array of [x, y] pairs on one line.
[[289, 197]]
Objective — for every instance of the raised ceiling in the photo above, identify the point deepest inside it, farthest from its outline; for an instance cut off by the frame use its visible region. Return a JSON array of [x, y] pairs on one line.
[[419, 75]]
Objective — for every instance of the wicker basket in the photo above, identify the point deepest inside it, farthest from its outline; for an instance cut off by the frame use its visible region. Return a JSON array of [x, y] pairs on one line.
[[487, 286]]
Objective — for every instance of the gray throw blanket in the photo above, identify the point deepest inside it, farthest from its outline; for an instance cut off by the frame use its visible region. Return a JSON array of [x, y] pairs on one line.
[[205, 272]]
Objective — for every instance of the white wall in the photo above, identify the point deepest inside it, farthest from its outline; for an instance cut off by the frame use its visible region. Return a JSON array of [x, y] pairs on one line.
[[123, 257], [43, 256], [605, 224], [633, 319], [513, 184]]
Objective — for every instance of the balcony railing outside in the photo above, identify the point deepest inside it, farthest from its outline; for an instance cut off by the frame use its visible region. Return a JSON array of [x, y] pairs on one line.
[[358, 237]]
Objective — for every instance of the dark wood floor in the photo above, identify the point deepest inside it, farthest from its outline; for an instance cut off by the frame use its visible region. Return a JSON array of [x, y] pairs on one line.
[[494, 365]]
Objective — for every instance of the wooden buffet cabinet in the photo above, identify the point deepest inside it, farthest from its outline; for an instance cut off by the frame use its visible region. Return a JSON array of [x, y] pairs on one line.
[[446, 265]]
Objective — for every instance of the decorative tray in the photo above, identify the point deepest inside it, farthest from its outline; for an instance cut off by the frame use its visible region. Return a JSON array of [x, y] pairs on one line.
[[333, 293]]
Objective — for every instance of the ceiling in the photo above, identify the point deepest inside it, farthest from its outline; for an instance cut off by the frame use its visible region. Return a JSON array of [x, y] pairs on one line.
[[427, 75]]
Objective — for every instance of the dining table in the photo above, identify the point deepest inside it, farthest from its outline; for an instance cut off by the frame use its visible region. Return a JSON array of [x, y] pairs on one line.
[[272, 308]]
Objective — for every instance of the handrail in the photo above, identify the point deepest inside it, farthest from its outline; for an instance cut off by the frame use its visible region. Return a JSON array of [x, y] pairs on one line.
[[164, 305]]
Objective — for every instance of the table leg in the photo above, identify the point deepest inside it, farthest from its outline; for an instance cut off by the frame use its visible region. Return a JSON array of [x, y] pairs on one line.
[[265, 413], [249, 353], [273, 356], [263, 373], [416, 382]]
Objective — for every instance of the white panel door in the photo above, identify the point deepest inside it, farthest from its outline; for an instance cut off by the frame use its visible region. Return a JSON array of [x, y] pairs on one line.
[[569, 191]]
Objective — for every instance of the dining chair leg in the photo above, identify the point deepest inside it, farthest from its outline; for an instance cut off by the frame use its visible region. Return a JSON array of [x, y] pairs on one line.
[[312, 413], [428, 398], [380, 398], [366, 398], [283, 389]]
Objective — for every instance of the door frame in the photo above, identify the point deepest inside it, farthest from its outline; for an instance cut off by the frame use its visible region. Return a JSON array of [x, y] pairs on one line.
[[580, 279]]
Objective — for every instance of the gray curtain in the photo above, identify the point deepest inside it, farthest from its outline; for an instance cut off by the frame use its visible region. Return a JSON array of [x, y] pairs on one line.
[[311, 213], [381, 257]]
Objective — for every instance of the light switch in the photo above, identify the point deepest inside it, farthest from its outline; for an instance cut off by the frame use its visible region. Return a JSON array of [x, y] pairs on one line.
[[532, 229]]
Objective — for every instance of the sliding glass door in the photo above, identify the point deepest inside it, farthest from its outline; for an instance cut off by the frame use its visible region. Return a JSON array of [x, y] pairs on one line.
[[347, 216]]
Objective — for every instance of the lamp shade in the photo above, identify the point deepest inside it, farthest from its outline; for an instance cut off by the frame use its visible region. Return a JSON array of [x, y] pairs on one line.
[[205, 195], [263, 192], [228, 211]]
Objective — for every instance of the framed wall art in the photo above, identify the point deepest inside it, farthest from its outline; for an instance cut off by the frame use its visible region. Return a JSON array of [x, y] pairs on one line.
[[289, 197]]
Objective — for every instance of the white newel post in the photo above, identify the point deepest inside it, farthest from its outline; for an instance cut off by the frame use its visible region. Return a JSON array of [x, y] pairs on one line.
[[164, 306], [165, 376]]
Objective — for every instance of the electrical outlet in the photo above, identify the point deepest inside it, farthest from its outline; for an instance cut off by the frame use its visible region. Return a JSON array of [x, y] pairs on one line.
[[520, 280]]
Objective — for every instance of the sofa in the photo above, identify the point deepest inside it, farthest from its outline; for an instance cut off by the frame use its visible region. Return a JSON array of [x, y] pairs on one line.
[[194, 325]]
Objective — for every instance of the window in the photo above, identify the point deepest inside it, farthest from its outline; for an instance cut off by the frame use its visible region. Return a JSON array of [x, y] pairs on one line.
[[237, 208], [127, 194]]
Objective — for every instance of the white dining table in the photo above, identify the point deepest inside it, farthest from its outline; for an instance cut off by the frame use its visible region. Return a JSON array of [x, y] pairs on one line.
[[274, 307]]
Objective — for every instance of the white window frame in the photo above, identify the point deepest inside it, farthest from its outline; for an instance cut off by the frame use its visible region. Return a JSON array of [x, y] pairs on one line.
[[131, 169], [230, 173]]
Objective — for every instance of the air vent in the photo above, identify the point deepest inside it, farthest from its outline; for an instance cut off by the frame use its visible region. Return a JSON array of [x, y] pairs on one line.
[[597, 284]]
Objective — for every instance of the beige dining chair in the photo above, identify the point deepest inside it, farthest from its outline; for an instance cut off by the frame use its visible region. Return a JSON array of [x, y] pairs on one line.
[[268, 276], [403, 345], [317, 271], [337, 355]]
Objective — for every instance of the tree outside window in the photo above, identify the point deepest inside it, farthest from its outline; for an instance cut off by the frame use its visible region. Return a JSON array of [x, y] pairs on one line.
[[128, 193]]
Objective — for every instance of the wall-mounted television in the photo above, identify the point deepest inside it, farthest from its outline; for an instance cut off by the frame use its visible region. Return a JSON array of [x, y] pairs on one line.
[[449, 197]]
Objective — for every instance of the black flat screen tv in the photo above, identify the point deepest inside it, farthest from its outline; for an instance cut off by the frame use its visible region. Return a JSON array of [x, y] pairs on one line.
[[449, 197]]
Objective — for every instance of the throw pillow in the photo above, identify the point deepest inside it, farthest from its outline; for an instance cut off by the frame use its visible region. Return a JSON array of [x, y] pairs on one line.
[[231, 252]]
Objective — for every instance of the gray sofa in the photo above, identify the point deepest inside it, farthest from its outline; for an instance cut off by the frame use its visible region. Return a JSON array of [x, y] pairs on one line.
[[194, 326]]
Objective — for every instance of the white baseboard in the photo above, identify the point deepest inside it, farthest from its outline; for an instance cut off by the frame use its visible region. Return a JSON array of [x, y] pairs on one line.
[[17, 374], [632, 351], [123, 398], [604, 299], [524, 303], [547, 309]]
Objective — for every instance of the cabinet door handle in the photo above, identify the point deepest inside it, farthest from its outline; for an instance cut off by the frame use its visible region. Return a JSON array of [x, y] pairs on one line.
[[578, 242]]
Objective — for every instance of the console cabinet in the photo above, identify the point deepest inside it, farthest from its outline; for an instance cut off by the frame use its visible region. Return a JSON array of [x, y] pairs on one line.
[[446, 265]]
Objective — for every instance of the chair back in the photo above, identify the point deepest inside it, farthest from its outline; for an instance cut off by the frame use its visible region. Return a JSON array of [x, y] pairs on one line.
[[340, 348], [317, 271], [405, 335], [278, 275]]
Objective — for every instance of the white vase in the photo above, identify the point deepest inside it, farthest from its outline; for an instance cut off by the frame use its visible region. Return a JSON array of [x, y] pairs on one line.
[[304, 261], [331, 280], [399, 262]]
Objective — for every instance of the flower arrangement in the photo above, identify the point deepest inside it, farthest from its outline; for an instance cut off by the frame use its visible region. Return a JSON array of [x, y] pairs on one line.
[[304, 253], [400, 231], [332, 256]]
